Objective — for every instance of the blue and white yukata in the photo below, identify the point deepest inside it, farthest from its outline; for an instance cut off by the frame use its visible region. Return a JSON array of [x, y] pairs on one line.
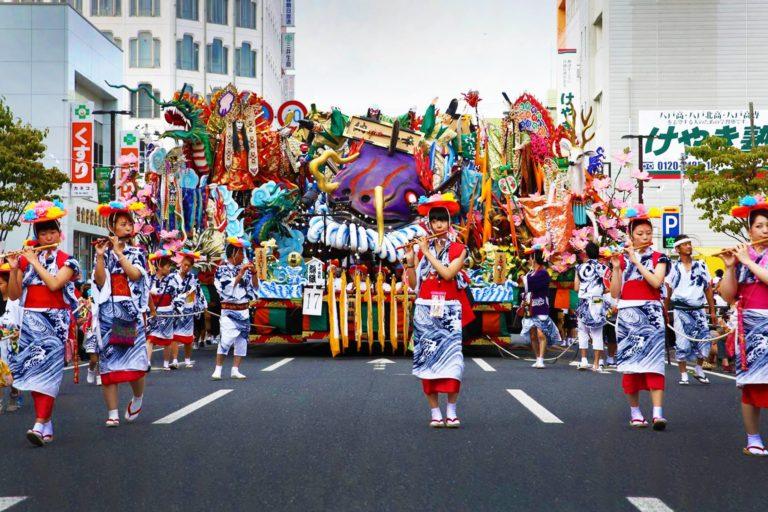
[[235, 323], [592, 309], [121, 359], [640, 326], [752, 333], [189, 303], [439, 314], [688, 300], [537, 294], [38, 364], [163, 291]]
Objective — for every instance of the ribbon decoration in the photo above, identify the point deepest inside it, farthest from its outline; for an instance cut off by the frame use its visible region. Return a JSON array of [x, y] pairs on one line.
[[358, 312], [344, 312], [393, 315], [333, 324], [380, 309], [369, 320]]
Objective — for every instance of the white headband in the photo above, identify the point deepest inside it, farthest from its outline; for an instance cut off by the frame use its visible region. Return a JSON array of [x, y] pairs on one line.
[[681, 242]]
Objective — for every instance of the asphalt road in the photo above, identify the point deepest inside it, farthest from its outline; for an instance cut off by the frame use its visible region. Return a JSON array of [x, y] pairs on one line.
[[316, 433]]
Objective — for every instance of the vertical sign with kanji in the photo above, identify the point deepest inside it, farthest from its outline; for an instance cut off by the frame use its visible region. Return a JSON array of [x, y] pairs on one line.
[[81, 156], [288, 50], [670, 224], [288, 13], [567, 84], [126, 174]]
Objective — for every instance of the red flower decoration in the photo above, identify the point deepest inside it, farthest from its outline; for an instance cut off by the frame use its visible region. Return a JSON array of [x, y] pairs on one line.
[[472, 98]]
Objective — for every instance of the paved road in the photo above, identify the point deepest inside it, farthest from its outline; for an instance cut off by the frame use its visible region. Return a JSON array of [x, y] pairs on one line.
[[322, 434]]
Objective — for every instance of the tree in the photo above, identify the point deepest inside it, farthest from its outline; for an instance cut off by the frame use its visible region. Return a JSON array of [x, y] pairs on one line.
[[23, 178], [723, 176]]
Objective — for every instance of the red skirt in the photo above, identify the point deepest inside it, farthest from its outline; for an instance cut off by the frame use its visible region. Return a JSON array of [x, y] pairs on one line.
[[755, 395], [185, 340], [432, 386], [636, 382], [121, 376], [159, 341]]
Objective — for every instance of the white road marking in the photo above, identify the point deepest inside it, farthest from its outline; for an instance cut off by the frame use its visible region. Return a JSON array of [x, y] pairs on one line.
[[9, 501], [649, 504], [86, 364], [192, 407], [277, 364], [482, 364], [535, 407], [380, 364]]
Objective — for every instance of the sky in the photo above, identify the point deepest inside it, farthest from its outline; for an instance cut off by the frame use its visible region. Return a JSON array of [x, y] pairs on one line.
[[398, 54]]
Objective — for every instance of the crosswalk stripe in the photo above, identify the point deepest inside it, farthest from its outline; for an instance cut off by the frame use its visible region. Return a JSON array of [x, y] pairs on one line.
[[647, 504], [535, 407], [9, 501], [192, 407], [483, 364], [277, 364]]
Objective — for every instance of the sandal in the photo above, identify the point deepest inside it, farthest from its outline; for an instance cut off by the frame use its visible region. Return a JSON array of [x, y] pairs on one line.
[[112, 423], [685, 382], [638, 423], [35, 437], [659, 424], [760, 451], [437, 424], [701, 378], [452, 423]]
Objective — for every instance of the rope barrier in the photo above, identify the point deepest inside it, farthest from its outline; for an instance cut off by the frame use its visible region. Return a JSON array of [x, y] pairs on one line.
[[703, 340], [551, 360]]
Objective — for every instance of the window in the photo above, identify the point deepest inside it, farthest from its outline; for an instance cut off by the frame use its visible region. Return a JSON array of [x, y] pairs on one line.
[[111, 36], [245, 13], [142, 105], [187, 9], [216, 11], [245, 61], [144, 51], [76, 4], [98, 143], [105, 7], [216, 56], [187, 53], [145, 7]]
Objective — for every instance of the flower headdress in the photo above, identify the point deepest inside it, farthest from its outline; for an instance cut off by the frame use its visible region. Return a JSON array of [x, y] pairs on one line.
[[112, 207], [446, 200], [43, 211]]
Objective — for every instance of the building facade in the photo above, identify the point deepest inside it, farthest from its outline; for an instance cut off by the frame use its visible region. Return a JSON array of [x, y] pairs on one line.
[[674, 69], [52, 59], [206, 44]]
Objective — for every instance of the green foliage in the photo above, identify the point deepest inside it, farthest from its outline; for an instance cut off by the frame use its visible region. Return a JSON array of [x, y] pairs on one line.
[[23, 178], [724, 176]]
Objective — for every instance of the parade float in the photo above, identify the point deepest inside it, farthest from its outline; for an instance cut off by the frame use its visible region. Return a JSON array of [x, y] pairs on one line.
[[329, 200]]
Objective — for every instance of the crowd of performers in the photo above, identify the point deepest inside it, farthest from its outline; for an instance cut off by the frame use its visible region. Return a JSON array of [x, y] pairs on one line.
[[133, 311]]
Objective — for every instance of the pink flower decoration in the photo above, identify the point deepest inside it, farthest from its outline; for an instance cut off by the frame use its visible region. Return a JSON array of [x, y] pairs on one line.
[[517, 219], [578, 243], [623, 158], [169, 235], [601, 184], [618, 203], [615, 234], [606, 222], [641, 175], [584, 232], [569, 258], [625, 185]]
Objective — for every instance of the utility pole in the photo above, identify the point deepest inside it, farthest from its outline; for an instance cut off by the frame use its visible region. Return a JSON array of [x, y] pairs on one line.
[[640, 139]]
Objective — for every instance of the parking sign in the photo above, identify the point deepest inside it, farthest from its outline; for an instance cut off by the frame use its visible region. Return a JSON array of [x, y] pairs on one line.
[[670, 221]]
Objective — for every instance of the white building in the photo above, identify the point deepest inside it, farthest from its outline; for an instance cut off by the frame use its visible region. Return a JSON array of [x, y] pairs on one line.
[[675, 66], [53, 57], [204, 43]]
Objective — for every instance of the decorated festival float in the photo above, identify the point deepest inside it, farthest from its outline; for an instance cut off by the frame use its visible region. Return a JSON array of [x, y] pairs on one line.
[[329, 203]]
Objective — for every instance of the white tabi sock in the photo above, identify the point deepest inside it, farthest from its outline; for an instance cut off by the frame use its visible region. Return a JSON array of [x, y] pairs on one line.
[[755, 440], [113, 414], [540, 360], [657, 412], [699, 370], [217, 370], [436, 414], [684, 376], [187, 362], [601, 362], [137, 400], [635, 413], [584, 361], [165, 364], [48, 428], [39, 427], [450, 411], [176, 362]]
